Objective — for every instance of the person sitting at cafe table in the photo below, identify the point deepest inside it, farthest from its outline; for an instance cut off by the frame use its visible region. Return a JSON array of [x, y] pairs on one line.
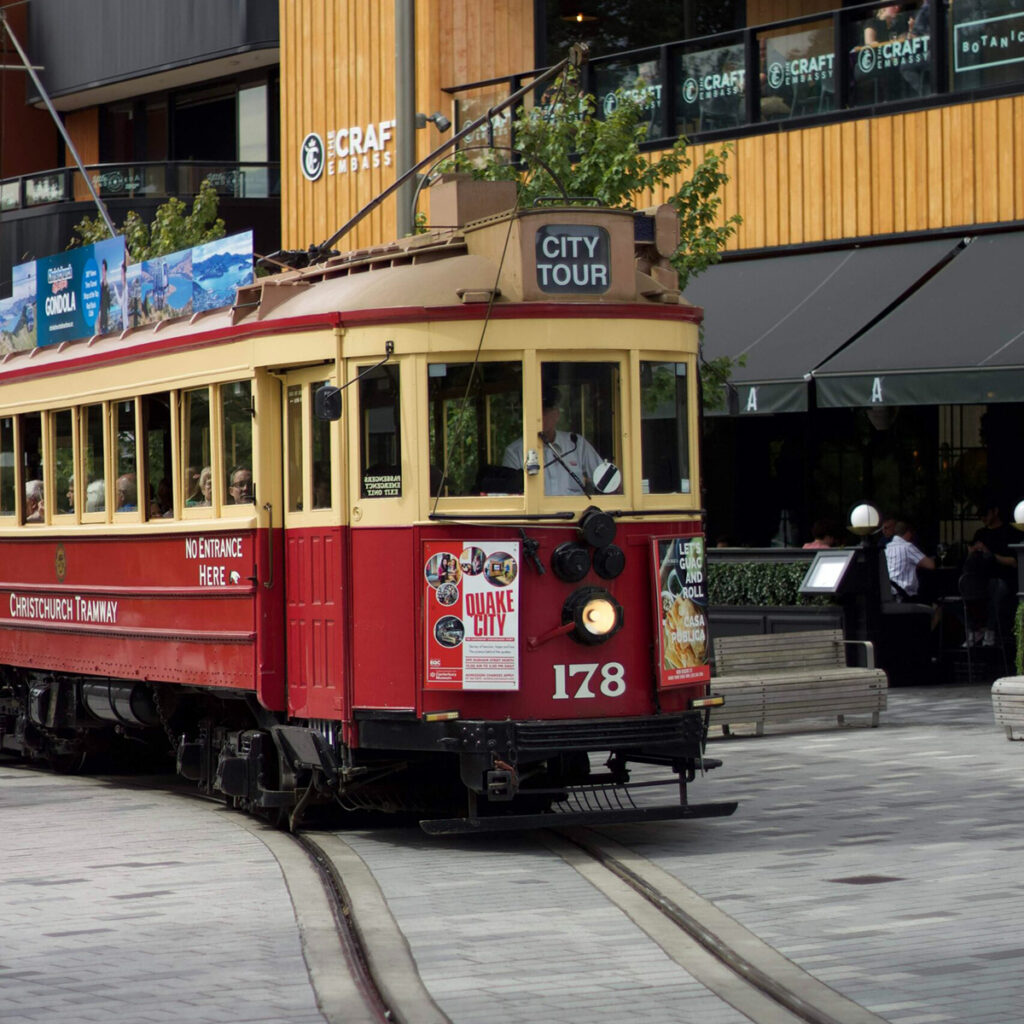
[[903, 558], [826, 534]]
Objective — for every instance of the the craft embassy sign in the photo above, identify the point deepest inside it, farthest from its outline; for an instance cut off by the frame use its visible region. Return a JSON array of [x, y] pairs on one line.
[[350, 150]]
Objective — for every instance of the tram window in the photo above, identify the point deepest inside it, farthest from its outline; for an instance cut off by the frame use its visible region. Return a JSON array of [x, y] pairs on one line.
[[197, 477], [320, 434], [93, 461], [380, 435], [32, 467], [294, 428], [156, 456], [126, 485], [476, 417], [7, 466], [580, 425], [64, 461], [664, 428], [236, 410]]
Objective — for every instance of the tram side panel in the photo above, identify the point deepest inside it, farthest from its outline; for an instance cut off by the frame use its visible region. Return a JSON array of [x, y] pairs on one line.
[[186, 609], [317, 644], [384, 606]]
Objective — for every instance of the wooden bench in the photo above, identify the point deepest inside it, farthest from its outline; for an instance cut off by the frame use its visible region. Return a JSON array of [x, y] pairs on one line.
[[782, 677], [1008, 704]]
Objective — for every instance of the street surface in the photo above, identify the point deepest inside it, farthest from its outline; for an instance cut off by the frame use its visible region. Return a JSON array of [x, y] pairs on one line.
[[887, 862]]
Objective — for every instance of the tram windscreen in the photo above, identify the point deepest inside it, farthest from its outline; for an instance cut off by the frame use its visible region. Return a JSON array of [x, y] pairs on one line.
[[197, 483], [7, 466], [380, 438], [31, 458], [476, 413], [237, 415], [64, 460], [665, 428], [94, 449], [581, 425]]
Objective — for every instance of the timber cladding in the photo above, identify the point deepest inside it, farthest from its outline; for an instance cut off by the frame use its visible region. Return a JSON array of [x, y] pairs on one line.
[[338, 75], [949, 166]]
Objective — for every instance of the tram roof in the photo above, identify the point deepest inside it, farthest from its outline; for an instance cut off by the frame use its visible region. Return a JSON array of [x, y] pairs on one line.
[[445, 271]]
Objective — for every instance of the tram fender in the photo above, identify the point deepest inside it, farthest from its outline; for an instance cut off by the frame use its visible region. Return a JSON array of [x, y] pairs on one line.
[[302, 748]]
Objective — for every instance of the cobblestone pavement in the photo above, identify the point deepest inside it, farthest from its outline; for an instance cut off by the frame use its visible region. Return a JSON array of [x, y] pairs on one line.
[[887, 862], [138, 907]]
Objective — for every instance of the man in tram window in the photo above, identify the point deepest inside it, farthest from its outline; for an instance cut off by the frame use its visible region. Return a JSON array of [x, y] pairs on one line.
[[34, 511], [240, 490], [127, 493], [569, 459]]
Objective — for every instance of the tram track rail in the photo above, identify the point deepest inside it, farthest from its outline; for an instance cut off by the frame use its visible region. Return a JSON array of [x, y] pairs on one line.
[[742, 969], [358, 960], [352, 928]]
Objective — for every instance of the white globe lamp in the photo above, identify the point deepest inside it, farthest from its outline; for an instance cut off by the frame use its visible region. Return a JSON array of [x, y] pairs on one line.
[[1018, 516], [865, 520]]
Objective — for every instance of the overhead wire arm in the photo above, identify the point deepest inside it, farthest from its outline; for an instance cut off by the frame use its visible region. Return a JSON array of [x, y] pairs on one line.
[[577, 55]]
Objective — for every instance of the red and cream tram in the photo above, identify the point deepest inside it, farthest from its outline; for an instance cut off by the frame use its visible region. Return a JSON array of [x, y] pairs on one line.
[[415, 528]]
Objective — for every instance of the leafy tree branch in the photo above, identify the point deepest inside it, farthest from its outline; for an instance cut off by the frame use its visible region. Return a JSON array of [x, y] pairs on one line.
[[173, 229]]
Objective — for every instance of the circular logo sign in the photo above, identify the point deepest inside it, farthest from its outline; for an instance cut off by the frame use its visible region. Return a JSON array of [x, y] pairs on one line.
[[866, 60], [60, 563], [776, 75], [311, 157], [609, 103], [690, 90]]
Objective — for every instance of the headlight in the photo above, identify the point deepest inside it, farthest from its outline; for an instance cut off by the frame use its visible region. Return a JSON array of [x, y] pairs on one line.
[[596, 615]]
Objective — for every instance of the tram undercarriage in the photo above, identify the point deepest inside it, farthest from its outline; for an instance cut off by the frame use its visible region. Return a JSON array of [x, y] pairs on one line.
[[510, 774]]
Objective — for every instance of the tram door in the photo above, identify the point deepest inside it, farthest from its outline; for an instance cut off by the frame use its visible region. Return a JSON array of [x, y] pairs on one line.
[[313, 551]]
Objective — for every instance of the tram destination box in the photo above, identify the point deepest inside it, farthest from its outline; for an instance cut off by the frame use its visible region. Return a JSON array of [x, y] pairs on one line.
[[561, 254]]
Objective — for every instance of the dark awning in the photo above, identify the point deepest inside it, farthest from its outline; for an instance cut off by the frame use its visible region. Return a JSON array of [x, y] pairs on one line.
[[788, 314], [957, 340]]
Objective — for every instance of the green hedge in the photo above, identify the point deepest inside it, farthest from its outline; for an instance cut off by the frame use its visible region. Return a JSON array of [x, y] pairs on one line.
[[762, 584]]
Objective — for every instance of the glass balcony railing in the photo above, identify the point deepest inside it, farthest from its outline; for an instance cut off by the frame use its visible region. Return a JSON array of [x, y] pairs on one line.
[[146, 180], [857, 60]]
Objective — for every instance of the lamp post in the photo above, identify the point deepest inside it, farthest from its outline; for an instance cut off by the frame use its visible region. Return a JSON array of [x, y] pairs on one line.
[[865, 608], [1018, 549]]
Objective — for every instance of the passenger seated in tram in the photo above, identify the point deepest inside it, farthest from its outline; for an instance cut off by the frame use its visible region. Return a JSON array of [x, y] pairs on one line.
[[569, 460], [204, 489], [127, 493], [34, 509], [161, 505], [240, 489], [96, 496]]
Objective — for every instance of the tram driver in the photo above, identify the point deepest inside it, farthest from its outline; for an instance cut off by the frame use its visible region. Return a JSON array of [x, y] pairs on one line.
[[569, 459]]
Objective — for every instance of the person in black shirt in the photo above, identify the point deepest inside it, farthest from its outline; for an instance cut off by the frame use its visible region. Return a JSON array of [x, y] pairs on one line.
[[990, 560]]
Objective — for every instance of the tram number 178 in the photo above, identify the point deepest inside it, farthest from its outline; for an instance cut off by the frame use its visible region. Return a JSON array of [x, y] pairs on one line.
[[611, 682]]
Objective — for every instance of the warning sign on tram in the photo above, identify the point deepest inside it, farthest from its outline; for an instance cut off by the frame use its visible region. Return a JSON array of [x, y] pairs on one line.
[[471, 615]]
